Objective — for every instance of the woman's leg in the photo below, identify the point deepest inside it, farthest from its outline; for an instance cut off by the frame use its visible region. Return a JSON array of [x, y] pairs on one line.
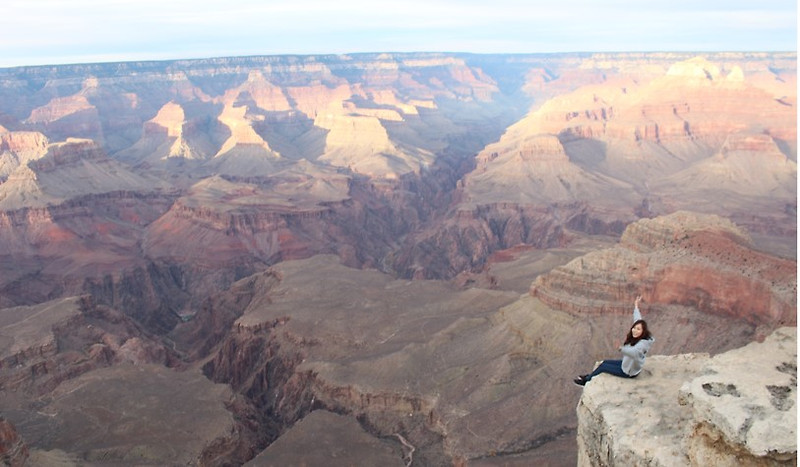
[[613, 367]]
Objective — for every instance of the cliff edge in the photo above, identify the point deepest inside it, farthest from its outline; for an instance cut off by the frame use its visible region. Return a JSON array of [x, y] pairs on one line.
[[736, 408]]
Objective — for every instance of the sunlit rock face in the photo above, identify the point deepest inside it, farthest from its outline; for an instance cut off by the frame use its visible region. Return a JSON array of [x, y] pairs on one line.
[[19, 147]]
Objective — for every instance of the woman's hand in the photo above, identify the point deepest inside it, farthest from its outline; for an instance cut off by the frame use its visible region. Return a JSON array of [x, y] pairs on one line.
[[638, 299]]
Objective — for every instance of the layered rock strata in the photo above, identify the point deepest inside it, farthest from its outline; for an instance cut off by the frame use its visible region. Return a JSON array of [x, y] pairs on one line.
[[608, 139], [600, 156], [85, 384], [685, 259], [737, 408], [13, 450], [43, 345]]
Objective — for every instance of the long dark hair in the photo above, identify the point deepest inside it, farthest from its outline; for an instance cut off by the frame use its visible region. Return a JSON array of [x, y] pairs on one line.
[[630, 340]]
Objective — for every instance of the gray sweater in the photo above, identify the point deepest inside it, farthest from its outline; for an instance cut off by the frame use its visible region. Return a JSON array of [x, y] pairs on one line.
[[633, 355]]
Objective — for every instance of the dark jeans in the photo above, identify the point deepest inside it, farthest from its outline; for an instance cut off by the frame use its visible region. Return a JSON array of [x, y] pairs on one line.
[[613, 367]]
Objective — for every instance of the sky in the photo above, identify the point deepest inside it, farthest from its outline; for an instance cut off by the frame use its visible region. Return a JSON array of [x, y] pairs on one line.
[[40, 32]]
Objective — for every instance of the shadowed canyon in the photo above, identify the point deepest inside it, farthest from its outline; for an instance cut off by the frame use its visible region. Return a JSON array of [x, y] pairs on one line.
[[375, 259]]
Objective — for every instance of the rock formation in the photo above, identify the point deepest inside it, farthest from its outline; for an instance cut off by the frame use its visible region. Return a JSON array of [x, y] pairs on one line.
[[325, 438], [68, 170], [68, 116], [46, 344], [167, 135], [13, 451], [736, 408], [84, 380], [19, 147], [701, 261], [629, 147]]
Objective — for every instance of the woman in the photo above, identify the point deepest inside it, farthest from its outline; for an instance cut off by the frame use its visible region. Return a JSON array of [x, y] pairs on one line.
[[637, 344]]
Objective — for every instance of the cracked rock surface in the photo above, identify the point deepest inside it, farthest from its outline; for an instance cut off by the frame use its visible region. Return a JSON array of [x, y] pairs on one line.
[[736, 408]]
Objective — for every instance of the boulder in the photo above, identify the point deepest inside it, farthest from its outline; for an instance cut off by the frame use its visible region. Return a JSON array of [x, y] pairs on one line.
[[736, 408]]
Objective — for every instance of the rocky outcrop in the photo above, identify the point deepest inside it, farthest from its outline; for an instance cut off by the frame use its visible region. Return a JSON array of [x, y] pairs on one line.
[[539, 168], [68, 116], [684, 259], [237, 122], [745, 404], [88, 384], [223, 222], [47, 344], [67, 153], [59, 108], [68, 170], [23, 142], [19, 147], [737, 408], [13, 450], [174, 136]]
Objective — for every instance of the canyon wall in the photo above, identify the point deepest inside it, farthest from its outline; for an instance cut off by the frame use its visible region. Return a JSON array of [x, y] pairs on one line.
[[424, 164]]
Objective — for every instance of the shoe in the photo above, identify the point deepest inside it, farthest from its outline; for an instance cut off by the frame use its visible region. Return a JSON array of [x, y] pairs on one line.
[[579, 381]]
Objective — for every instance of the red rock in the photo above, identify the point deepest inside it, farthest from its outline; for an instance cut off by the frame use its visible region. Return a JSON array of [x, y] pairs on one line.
[[13, 450], [704, 262]]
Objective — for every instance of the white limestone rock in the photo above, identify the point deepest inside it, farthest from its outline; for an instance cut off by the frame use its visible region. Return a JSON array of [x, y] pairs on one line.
[[628, 422], [737, 408], [745, 404]]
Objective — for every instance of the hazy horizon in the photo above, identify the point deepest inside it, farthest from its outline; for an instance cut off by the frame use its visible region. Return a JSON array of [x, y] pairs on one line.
[[48, 32]]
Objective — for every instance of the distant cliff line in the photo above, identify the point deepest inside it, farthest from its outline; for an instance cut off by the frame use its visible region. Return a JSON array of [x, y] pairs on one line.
[[105, 69]]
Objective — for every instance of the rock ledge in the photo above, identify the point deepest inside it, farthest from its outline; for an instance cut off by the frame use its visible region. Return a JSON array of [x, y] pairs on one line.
[[736, 408]]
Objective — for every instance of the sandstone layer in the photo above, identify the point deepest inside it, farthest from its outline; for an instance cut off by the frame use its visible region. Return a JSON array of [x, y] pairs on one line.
[[688, 259], [737, 408]]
